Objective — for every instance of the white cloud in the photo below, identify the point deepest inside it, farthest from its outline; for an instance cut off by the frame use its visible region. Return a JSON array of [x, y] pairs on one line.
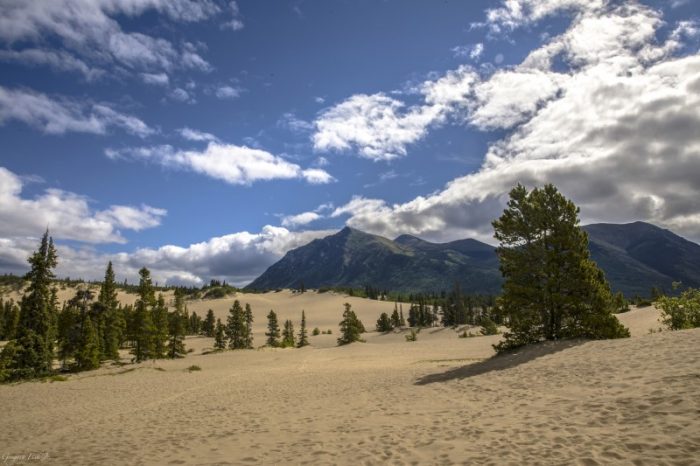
[[195, 135], [617, 132], [158, 79], [236, 23], [182, 95], [87, 31], [379, 127], [473, 52], [237, 258], [62, 115], [67, 214], [233, 164], [227, 92], [58, 60], [303, 218]]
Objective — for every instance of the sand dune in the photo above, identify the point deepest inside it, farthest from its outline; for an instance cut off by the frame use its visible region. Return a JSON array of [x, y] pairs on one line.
[[438, 400]]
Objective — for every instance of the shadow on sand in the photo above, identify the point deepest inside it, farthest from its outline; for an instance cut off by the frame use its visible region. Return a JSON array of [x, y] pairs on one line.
[[502, 361]]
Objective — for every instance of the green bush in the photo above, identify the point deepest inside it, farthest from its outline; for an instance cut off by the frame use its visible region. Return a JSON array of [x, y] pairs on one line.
[[194, 368], [681, 312], [413, 336], [316, 332]]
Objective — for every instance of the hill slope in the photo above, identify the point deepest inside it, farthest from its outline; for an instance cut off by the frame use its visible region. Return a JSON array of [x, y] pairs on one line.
[[634, 256]]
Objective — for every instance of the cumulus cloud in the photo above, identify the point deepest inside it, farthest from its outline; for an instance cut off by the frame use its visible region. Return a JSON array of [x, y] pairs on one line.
[[380, 127], [227, 92], [62, 115], [233, 164], [196, 135], [617, 131], [237, 258], [303, 218], [473, 52], [67, 214], [88, 32]]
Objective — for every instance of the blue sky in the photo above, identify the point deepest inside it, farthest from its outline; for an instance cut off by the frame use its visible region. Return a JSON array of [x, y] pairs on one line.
[[204, 139]]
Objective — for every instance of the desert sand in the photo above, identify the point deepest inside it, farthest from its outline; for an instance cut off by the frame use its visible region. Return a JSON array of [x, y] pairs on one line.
[[439, 400]]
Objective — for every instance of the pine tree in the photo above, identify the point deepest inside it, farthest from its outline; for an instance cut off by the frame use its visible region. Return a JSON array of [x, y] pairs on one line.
[[69, 331], [160, 328], [248, 326], [209, 324], [143, 320], [219, 335], [395, 318], [88, 353], [402, 321], [236, 327], [552, 289], [350, 327], [32, 353], [114, 325], [176, 328], [273, 330], [384, 323], [303, 337], [288, 340]]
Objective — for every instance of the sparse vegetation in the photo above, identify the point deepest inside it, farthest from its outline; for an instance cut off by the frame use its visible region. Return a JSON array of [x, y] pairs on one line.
[[194, 368], [682, 312], [350, 327]]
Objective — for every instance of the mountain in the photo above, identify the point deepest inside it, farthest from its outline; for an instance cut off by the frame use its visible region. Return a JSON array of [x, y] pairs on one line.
[[352, 258], [634, 256]]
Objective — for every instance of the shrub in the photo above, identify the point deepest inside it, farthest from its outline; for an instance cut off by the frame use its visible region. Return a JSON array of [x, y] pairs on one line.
[[194, 368], [488, 327], [682, 312], [316, 332], [413, 336]]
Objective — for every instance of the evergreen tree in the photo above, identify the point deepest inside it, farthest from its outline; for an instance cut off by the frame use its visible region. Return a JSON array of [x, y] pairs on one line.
[[248, 327], [288, 340], [552, 289], [395, 318], [402, 321], [10, 320], [350, 327], [384, 323], [69, 332], [177, 324], [161, 326], [303, 337], [32, 353], [236, 327], [143, 320], [195, 324], [88, 352], [114, 325], [273, 330], [219, 335], [209, 324]]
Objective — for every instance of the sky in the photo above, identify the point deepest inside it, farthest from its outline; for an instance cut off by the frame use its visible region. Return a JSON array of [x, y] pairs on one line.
[[204, 139]]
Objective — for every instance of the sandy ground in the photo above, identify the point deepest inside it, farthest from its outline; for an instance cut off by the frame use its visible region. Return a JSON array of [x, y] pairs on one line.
[[439, 400]]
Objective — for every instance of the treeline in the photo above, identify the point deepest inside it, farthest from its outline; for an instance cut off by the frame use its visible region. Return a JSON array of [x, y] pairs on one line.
[[445, 309], [85, 332]]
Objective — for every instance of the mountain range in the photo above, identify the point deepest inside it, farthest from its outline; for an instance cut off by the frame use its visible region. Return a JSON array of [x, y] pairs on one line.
[[635, 257]]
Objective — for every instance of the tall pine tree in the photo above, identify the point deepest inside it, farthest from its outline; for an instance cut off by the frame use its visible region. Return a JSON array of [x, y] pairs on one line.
[[303, 333], [177, 324], [248, 326], [143, 320], [288, 340], [31, 354], [552, 289], [219, 335], [236, 330], [273, 330], [161, 328]]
